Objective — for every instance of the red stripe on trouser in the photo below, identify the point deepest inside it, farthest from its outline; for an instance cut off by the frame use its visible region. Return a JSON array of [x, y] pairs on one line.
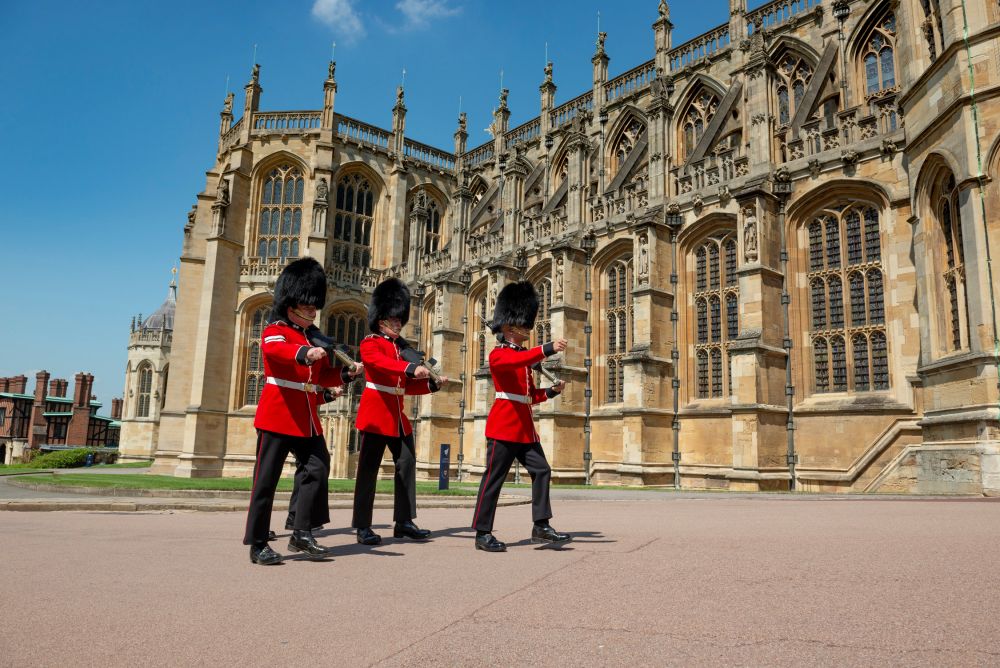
[[489, 468], [256, 474]]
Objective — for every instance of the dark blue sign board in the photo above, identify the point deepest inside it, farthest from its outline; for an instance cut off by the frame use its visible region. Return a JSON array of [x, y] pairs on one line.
[[445, 465]]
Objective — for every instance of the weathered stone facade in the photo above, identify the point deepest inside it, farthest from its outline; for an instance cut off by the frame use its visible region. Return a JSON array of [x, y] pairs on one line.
[[769, 246]]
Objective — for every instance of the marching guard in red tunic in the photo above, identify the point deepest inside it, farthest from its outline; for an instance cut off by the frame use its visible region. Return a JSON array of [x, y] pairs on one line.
[[381, 420], [297, 380], [510, 429]]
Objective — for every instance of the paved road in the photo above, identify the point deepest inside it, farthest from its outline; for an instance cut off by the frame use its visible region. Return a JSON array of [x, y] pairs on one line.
[[662, 581]]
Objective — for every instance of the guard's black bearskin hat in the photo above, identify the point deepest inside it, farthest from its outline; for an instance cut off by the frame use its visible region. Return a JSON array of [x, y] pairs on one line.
[[391, 299], [517, 305], [301, 282]]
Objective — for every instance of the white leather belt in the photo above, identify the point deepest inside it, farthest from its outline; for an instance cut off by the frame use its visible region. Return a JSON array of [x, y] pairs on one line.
[[398, 391], [519, 398], [294, 385]]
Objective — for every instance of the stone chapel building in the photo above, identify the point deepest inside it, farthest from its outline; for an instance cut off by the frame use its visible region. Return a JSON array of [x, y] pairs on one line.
[[768, 247]]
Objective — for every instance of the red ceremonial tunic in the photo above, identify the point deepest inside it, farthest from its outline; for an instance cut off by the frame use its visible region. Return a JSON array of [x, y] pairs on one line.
[[381, 412], [285, 410], [511, 420]]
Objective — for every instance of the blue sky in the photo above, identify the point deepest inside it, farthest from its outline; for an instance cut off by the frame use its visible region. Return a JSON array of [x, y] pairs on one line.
[[110, 117]]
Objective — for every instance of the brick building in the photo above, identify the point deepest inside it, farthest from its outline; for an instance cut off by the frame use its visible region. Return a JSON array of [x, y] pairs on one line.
[[48, 417]]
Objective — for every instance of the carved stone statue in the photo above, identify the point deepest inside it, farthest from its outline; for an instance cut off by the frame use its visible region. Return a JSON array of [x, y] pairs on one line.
[[255, 75], [503, 97], [222, 194], [601, 37], [227, 106], [462, 121], [494, 288], [548, 72], [420, 200], [322, 191], [559, 278], [331, 70], [399, 95], [643, 257], [749, 236], [664, 10], [439, 308]]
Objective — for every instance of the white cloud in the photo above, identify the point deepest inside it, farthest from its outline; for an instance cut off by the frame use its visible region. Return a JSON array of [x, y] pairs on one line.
[[341, 16], [420, 13]]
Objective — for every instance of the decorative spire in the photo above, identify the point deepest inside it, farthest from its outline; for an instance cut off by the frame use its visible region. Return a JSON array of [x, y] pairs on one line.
[[664, 10]]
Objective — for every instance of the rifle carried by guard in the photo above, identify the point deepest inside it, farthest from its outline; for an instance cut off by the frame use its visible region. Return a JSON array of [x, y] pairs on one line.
[[333, 350], [418, 357], [537, 366]]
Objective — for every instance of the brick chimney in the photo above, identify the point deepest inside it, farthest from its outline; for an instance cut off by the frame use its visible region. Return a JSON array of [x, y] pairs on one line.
[[58, 387], [4, 384], [39, 427], [116, 409], [81, 394], [79, 423], [18, 384]]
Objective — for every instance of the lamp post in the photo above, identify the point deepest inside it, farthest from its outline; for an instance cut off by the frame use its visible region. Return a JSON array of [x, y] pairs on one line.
[[521, 265], [466, 279], [841, 10], [588, 244], [419, 293], [782, 188], [674, 220]]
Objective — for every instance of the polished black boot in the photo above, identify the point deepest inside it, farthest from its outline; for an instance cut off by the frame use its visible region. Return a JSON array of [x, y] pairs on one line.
[[546, 534], [290, 524], [409, 530], [303, 541], [489, 543], [264, 555], [368, 537]]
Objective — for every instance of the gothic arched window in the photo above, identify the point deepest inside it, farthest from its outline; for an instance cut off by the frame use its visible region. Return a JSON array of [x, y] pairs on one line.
[[716, 314], [618, 322], [347, 328], [697, 117], [953, 274], [845, 262], [255, 361], [624, 143], [353, 220], [792, 75], [429, 240], [280, 221], [878, 57], [144, 389]]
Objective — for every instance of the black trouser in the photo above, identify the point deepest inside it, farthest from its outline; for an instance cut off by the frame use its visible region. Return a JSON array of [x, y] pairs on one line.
[[300, 472], [312, 505], [499, 457], [370, 458]]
